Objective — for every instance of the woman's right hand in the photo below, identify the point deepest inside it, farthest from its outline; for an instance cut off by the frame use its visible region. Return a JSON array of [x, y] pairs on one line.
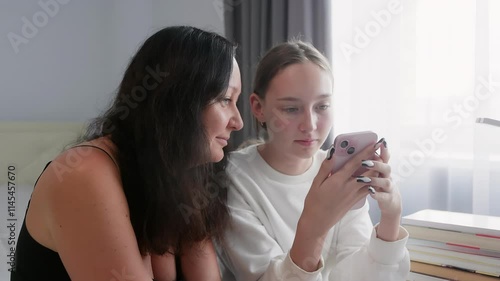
[[333, 194], [330, 197]]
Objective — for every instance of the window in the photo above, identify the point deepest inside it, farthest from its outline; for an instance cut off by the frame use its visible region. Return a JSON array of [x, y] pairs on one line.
[[419, 73]]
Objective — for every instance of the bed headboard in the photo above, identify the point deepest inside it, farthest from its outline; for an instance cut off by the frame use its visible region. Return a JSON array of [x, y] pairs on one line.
[[25, 149], [30, 145]]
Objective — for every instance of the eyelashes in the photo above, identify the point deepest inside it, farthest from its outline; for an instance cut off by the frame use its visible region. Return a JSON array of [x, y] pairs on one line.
[[294, 110], [290, 110]]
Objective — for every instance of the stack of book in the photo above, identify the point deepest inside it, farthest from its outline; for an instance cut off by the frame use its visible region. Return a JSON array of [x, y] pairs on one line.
[[453, 246]]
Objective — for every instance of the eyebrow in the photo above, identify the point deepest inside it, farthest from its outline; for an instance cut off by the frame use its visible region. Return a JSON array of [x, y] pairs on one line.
[[234, 89], [322, 96]]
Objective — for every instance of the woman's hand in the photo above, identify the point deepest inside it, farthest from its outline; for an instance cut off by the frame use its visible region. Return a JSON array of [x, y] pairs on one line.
[[330, 197], [387, 196], [163, 267], [199, 262]]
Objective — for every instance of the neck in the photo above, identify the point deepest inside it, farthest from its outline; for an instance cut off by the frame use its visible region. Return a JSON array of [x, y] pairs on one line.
[[284, 163]]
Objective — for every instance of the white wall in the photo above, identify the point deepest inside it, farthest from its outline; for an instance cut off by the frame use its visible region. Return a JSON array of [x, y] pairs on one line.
[[69, 67], [205, 14]]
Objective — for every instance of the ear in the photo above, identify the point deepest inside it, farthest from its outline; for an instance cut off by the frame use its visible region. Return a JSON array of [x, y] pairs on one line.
[[256, 104]]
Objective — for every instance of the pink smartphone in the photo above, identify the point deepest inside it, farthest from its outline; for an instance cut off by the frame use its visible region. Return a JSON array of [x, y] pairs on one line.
[[348, 145]]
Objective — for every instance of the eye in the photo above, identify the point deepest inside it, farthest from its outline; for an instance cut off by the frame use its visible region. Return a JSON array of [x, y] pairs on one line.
[[225, 101], [323, 107], [290, 109]]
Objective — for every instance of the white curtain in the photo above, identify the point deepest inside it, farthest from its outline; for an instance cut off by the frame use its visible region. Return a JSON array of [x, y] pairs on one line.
[[419, 73]]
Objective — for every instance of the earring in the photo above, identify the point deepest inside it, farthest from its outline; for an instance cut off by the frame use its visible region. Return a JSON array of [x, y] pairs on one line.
[[263, 125]]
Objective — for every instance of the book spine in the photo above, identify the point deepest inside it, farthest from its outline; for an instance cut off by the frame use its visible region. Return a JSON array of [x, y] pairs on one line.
[[460, 263], [455, 247], [489, 261], [448, 272], [485, 226], [460, 238]]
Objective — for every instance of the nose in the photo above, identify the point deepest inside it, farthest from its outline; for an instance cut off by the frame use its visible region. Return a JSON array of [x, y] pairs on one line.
[[308, 123], [236, 123]]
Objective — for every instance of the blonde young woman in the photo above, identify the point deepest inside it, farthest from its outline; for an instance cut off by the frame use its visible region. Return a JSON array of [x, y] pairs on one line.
[[291, 217]]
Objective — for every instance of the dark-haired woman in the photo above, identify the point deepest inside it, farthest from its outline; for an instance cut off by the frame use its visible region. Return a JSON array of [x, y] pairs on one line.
[[142, 195]]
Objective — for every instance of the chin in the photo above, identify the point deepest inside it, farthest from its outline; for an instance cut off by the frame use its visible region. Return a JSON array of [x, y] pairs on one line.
[[217, 157], [307, 153]]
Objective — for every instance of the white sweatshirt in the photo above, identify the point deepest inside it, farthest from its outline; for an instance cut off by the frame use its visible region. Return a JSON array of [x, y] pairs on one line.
[[265, 207]]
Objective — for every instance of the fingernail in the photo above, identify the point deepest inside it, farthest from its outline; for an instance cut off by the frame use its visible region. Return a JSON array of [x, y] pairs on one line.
[[380, 141], [330, 153], [385, 143], [363, 179], [367, 163], [371, 190]]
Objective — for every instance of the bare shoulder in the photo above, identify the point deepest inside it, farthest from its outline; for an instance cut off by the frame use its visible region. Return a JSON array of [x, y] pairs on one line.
[[85, 173], [95, 154], [78, 177], [83, 170], [87, 215], [79, 172]]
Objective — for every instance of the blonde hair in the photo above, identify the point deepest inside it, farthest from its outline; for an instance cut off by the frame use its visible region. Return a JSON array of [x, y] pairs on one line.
[[278, 58]]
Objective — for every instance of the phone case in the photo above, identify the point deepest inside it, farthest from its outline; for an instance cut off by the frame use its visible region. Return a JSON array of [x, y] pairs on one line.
[[348, 145]]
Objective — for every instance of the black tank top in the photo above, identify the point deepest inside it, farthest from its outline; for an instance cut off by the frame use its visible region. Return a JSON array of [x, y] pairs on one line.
[[34, 262]]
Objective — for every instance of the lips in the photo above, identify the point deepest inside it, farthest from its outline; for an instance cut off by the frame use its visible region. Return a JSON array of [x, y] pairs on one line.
[[306, 142], [222, 140]]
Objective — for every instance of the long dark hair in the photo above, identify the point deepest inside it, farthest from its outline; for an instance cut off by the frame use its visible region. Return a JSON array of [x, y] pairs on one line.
[[175, 196]]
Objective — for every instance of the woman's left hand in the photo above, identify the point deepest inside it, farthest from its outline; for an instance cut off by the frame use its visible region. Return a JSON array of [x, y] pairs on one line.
[[387, 195]]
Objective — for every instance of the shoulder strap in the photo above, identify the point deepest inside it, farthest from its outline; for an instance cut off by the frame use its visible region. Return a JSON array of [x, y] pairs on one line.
[[101, 149]]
